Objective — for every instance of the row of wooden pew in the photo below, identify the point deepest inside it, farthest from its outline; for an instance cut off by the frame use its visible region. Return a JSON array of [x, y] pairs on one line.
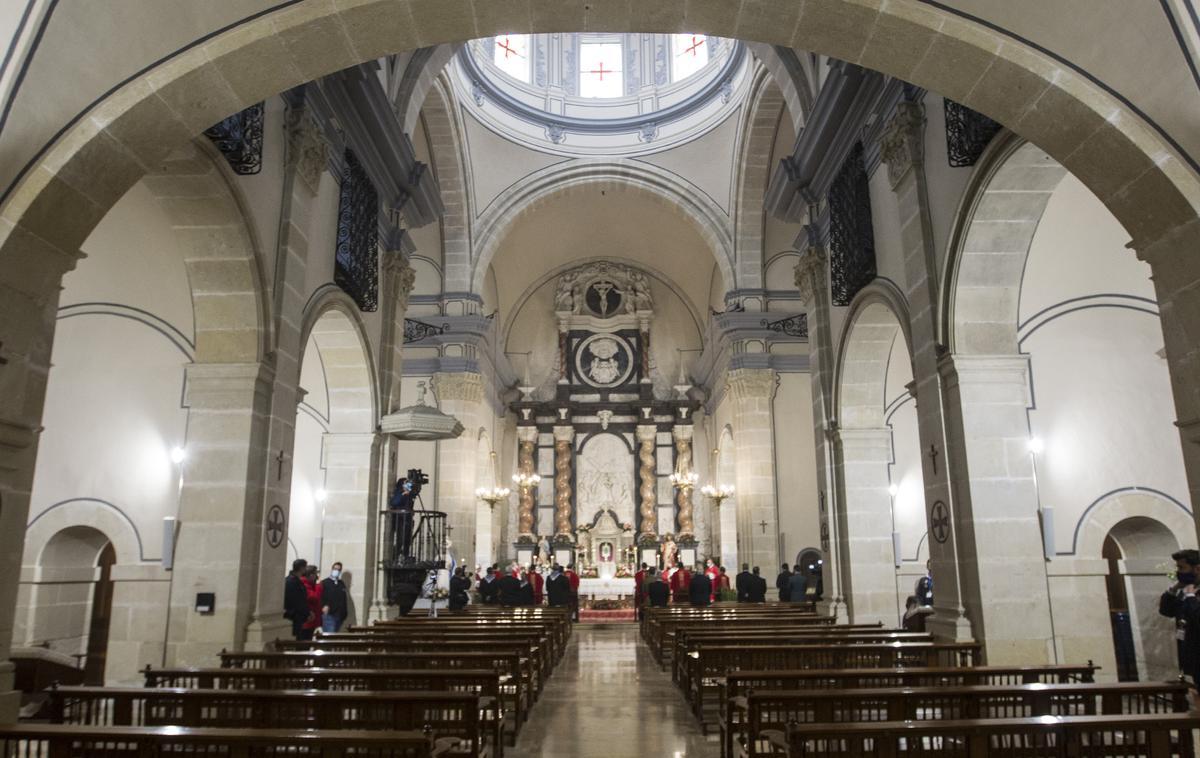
[[458, 685], [780, 680]]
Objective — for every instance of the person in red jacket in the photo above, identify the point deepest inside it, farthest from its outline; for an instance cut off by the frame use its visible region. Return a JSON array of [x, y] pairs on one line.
[[639, 592], [538, 584], [712, 572], [313, 590], [681, 582], [573, 578]]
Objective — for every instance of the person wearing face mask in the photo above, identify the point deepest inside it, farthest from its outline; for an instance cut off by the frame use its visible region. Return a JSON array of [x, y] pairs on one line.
[[1179, 602], [334, 601]]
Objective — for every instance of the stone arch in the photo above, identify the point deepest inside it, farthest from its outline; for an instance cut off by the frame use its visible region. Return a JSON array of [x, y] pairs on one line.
[[102, 517], [526, 195], [446, 142], [876, 316], [1133, 507], [754, 172], [994, 229], [333, 325]]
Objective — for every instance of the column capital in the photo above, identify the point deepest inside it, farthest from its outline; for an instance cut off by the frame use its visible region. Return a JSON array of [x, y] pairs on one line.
[[308, 150], [646, 432], [810, 274], [564, 433], [902, 145], [527, 434], [221, 385], [466, 386], [682, 432], [752, 383], [401, 277]]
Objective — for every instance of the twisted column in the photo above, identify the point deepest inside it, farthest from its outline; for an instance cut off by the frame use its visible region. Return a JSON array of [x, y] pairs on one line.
[[648, 498], [682, 435], [563, 436], [527, 438]]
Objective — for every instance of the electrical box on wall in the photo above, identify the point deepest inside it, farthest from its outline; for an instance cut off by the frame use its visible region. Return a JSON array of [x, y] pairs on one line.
[[206, 602]]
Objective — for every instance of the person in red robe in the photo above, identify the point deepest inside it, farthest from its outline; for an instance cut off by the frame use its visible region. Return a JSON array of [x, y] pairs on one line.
[[573, 578], [314, 591], [538, 584], [639, 595], [681, 582], [723, 581], [712, 572]]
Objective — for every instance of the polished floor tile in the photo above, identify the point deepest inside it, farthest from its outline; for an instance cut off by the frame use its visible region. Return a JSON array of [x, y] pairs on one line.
[[608, 699]]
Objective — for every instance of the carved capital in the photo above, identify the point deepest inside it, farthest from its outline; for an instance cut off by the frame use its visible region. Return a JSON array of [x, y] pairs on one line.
[[682, 432], [308, 150], [810, 274], [564, 433], [646, 433], [466, 386], [753, 383], [902, 145], [527, 434], [400, 276]]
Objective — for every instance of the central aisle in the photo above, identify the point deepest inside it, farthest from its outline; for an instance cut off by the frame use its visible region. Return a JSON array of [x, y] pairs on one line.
[[608, 699]]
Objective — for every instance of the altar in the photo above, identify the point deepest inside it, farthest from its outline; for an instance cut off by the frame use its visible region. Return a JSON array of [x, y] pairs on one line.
[[606, 589]]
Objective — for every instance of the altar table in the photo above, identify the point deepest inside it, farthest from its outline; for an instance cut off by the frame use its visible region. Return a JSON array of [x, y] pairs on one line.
[[603, 589]]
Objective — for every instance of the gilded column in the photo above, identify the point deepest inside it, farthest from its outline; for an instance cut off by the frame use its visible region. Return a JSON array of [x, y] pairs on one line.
[[527, 439], [682, 434], [647, 434], [563, 454]]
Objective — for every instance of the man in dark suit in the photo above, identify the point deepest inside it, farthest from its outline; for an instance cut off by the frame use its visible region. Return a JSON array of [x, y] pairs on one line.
[[558, 588], [742, 583], [401, 507], [783, 583], [295, 598], [487, 585], [757, 592], [657, 591], [508, 590], [700, 589], [335, 602]]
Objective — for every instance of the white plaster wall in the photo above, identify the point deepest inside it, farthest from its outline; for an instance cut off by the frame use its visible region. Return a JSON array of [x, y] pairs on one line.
[[305, 513], [796, 466]]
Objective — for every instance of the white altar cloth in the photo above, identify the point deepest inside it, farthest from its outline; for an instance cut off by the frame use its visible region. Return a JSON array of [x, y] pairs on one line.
[[606, 588]]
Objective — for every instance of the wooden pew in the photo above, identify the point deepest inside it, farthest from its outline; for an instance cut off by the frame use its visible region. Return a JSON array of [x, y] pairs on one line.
[[766, 712], [738, 684], [540, 636], [658, 630], [136, 742], [514, 682], [457, 715], [711, 664], [1141, 735]]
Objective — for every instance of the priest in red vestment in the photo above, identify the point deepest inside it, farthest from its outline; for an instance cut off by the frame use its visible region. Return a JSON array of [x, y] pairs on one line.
[[538, 584], [639, 584], [681, 582], [713, 573]]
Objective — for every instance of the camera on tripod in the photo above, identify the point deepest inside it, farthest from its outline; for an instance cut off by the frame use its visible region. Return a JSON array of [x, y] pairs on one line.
[[417, 478]]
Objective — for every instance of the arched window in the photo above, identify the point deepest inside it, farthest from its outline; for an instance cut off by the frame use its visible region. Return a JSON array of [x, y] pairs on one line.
[[689, 54], [510, 53]]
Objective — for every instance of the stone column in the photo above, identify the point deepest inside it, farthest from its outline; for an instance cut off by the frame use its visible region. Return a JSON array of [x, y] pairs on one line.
[[526, 444], [753, 393], [647, 437], [864, 525], [812, 281], [460, 394], [563, 457], [348, 527], [224, 531], [682, 434]]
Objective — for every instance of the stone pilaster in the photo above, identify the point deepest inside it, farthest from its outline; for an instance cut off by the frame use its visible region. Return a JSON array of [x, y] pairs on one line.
[[812, 282], [564, 457], [398, 280], [526, 443], [460, 394], [647, 436], [308, 150], [753, 393], [348, 528], [224, 530], [682, 435]]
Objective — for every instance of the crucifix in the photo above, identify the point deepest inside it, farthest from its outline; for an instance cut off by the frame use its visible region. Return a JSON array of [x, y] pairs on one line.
[[449, 531], [280, 459], [763, 524], [933, 455], [601, 70]]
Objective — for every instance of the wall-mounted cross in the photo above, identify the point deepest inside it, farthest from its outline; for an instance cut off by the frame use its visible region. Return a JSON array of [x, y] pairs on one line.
[[601, 71], [763, 524], [280, 459], [449, 530], [933, 456], [3, 360]]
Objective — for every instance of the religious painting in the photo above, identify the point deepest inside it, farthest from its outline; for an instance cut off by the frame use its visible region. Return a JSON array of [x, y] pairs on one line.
[[604, 360], [605, 478]]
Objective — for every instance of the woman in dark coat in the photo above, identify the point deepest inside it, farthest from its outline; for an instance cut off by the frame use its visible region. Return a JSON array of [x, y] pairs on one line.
[[459, 586]]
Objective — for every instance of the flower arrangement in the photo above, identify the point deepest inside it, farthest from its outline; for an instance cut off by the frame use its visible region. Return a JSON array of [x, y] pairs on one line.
[[439, 593], [591, 572], [623, 571], [608, 604]]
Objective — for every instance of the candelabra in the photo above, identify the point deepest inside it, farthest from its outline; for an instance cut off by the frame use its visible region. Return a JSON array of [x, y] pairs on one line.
[[717, 493], [684, 480], [524, 480], [492, 495]]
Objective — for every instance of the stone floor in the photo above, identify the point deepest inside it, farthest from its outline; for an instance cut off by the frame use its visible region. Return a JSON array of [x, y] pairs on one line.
[[608, 699]]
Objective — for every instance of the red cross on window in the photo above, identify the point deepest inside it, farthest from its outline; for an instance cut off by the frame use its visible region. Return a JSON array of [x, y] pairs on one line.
[[696, 43], [601, 70], [508, 49]]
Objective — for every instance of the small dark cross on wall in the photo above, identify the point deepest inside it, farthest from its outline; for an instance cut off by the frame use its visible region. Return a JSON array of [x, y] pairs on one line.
[[3, 360], [763, 524], [280, 459], [449, 530], [933, 456]]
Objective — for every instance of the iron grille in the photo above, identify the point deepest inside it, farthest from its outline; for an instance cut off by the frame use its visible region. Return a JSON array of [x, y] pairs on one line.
[[792, 326], [968, 133], [851, 236], [416, 330], [240, 139], [356, 267]]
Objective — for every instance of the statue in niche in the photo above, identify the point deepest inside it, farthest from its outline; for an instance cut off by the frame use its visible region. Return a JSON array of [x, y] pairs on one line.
[[604, 369], [641, 291], [564, 297]]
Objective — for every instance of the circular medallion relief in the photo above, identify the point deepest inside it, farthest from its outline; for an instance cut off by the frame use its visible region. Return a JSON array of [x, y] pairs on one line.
[[604, 360]]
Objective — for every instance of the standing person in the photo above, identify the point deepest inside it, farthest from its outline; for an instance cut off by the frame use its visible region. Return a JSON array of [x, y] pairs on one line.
[[312, 591], [681, 582], [700, 589], [401, 507], [573, 579], [657, 591], [487, 585], [295, 598], [639, 590], [460, 585], [535, 578], [335, 602], [1175, 603], [508, 590], [723, 590], [525, 591], [783, 583], [757, 592], [798, 584], [712, 572], [924, 588], [558, 588], [743, 582]]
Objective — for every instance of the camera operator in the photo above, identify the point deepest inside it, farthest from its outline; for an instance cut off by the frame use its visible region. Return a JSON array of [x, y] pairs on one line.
[[401, 507]]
